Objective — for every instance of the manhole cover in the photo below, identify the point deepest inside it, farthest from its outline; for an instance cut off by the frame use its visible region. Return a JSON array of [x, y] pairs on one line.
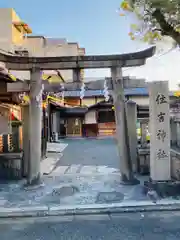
[[65, 191], [109, 197]]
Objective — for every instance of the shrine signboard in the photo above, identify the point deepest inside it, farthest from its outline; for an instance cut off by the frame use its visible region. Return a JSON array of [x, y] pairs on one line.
[[160, 131]]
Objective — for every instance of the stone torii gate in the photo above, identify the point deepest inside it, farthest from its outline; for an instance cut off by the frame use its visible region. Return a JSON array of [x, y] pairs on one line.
[[33, 115]]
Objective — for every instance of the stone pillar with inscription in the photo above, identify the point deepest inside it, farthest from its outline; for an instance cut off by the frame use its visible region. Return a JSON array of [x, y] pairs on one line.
[[160, 131], [35, 126]]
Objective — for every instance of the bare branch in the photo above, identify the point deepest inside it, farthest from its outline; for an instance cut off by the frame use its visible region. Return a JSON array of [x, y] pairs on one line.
[[165, 26]]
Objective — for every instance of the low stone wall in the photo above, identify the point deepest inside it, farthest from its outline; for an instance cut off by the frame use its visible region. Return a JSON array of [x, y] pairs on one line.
[[11, 168], [11, 156], [144, 162], [175, 164]]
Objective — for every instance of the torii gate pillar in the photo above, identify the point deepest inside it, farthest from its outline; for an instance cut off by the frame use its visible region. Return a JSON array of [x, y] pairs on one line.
[[121, 127], [35, 126]]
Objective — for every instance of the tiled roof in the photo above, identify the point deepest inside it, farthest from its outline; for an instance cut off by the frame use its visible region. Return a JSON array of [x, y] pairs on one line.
[[93, 93]]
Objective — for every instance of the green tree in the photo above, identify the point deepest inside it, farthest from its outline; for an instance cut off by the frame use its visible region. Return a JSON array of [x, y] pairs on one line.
[[154, 19]]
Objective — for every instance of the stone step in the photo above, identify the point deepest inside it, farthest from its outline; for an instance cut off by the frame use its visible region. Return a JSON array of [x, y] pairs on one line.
[[56, 147], [85, 170]]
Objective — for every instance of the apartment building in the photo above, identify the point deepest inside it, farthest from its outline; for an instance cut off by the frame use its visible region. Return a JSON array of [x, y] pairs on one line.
[[16, 37], [50, 47], [12, 30]]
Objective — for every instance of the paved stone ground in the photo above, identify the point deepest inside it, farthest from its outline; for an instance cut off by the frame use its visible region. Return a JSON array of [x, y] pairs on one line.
[[137, 226], [88, 156], [86, 173], [82, 156], [71, 190]]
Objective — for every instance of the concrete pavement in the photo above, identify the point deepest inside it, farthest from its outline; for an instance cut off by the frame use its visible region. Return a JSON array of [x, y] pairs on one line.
[[132, 226], [90, 152], [81, 156], [87, 157]]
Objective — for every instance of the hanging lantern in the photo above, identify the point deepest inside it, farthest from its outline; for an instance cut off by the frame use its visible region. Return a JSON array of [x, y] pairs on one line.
[[106, 92], [82, 91]]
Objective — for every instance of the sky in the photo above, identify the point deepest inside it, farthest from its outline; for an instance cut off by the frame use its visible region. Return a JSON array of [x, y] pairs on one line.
[[96, 26]]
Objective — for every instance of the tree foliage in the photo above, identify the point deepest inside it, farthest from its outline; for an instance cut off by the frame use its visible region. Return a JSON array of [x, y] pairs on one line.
[[155, 19]]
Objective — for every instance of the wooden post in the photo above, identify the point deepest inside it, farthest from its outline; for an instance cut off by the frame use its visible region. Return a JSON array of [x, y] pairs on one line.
[[143, 126], [49, 121], [44, 135]]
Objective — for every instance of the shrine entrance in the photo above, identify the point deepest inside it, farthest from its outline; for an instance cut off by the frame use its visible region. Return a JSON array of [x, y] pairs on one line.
[[35, 65]]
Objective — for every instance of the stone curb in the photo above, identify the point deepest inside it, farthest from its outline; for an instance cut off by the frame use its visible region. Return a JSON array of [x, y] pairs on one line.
[[113, 208], [28, 211], [52, 167], [56, 149], [126, 207]]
